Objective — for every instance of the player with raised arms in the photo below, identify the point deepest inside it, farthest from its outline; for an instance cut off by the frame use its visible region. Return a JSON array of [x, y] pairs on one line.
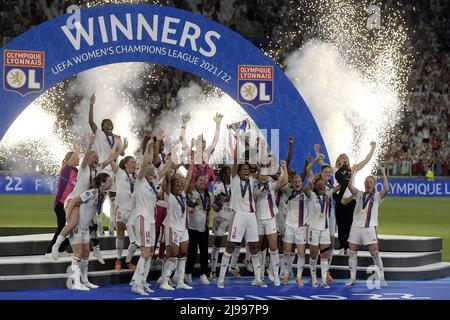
[[365, 222], [243, 221], [143, 223], [319, 210], [266, 212], [104, 142], [176, 229]]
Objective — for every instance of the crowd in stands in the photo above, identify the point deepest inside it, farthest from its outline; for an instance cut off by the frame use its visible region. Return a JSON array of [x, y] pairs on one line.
[[420, 142]]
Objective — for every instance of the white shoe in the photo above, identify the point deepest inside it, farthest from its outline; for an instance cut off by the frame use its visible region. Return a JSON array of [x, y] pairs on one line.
[[48, 256], [314, 282], [325, 285], [146, 287], [248, 265], [204, 279], [350, 282], [55, 253], [98, 255], [383, 283], [188, 278], [139, 290], [79, 287], [270, 275], [184, 286], [165, 286], [259, 283], [89, 285], [220, 284], [276, 281], [235, 271]]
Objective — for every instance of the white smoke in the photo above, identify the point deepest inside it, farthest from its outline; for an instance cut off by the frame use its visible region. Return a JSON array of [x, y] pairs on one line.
[[202, 109], [113, 86], [349, 109]]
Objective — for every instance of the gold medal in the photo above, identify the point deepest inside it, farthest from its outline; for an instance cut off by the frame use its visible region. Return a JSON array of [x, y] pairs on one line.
[[285, 206], [322, 215], [362, 211]]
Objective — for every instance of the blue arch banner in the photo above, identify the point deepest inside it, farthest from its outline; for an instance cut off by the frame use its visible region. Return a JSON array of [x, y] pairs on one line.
[[57, 49]]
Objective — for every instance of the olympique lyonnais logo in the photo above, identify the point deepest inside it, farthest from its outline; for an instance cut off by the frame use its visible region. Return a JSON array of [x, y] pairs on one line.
[[23, 71], [255, 85]]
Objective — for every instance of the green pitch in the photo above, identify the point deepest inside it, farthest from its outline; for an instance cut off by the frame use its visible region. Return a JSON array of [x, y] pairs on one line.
[[402, 216]]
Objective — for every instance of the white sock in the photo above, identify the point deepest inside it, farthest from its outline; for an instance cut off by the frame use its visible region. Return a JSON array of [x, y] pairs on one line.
[[148, 265], [112, 213], [274, 262], [139, 272], [282, 263], [330, 256], [352, 264], [224, 265], [247, 252], [256, 262], [235, 257], [96, 248], [170, 265], [84, 270], [76, 271], [131, 250], [214, 258], [181, 267], [59, 240], [324, 269], [291, 261], [300, 265], [377, 261], [312, 267], [119, 248], [286, 259], [100, 223], [263, 255]]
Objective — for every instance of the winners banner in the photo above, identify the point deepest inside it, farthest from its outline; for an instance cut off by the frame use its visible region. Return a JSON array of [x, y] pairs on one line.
[[62, 47]]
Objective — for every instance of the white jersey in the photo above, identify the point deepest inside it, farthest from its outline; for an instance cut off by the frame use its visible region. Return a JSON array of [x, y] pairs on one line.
[[176, 212], [199, 219], [296, 206], [246, 203], [103, 145], [366, 209], [85, 181], [146, 198], [221, 187], [281, 197], [125, 197], [265, 202], [319, 210], [92, 201]]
